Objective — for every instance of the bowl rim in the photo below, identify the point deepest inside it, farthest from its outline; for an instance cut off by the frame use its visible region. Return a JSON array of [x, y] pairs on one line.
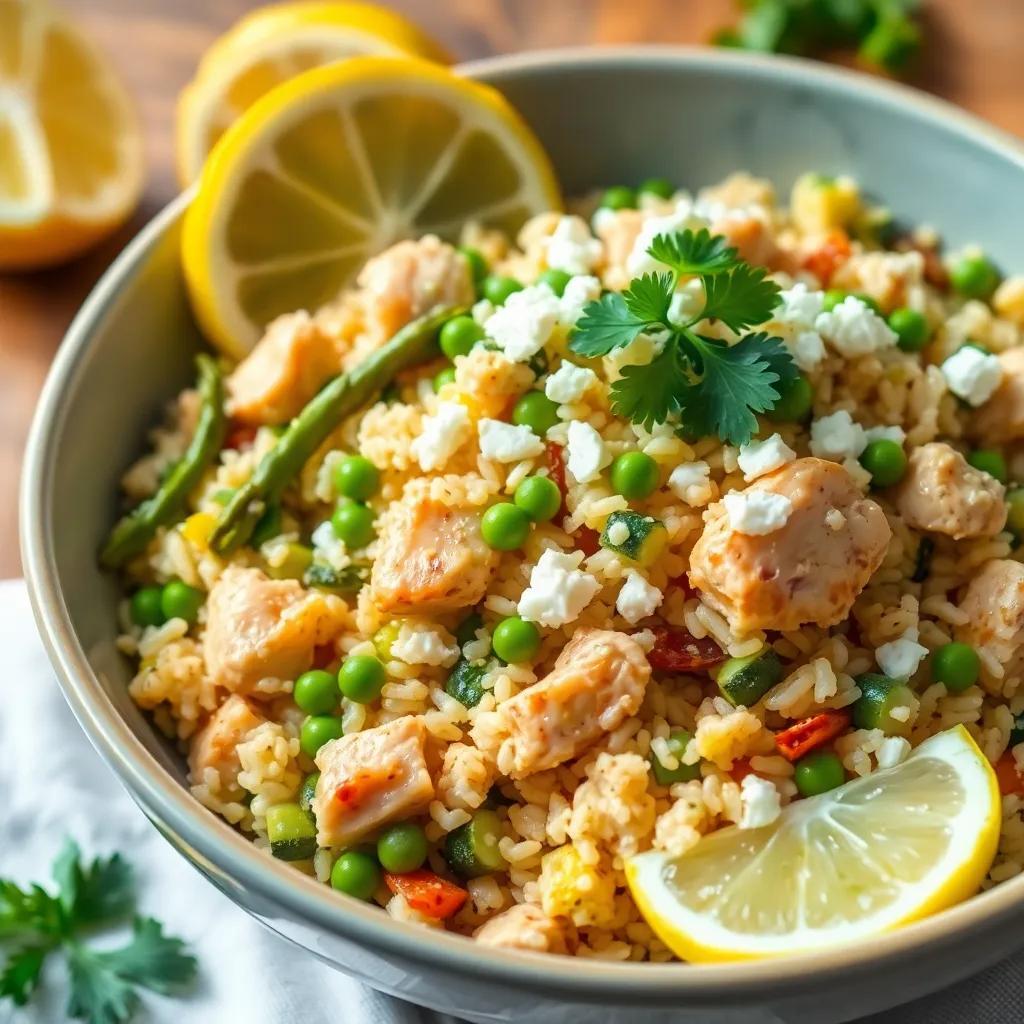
[[222, 850]]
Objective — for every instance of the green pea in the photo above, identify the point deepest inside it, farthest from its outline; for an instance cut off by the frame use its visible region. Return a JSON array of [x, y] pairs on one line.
[[956, 666], [1015, 511], [796, 399], [660, 187], [443, 377], [515, 640], [885, 460], [818, 773], [353, 523], [539, 497], [267, 526], [619, 197], [911, 329], [316, 692], [988, 460], [180, 601], [356, 477], [975, 277], [678, 741], [361, 678], [356, 874], [556, 280], [402, 848], [497, 289], [634, 475], [459, 335], [832, 298], [505, 526], [147, 607], [476, 261], [891, 43], [318, 730], [536, 411]]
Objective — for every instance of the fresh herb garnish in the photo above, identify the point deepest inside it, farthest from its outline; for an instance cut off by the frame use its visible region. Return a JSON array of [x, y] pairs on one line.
[[713, 387], [34, 923]]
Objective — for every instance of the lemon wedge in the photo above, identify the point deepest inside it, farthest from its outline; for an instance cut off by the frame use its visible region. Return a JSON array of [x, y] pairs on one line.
[[71, 164], [273, 44], [337, 164], [876, 853]]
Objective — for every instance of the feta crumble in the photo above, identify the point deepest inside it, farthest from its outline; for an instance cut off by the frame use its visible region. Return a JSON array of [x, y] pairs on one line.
[[683, 216], [506, 442], [328, 548], [522, 326], [808, 350], [559, 590], [569, 383], [853, 328], [799, 305], [897, 434], [691, 482], [900, 658], [972, 375], [572, 248], [441, 435], [637, 598], [756, 458], [578, 292], [756, 513], [420, 645], [837, 437], [760, 802], [586, 455]]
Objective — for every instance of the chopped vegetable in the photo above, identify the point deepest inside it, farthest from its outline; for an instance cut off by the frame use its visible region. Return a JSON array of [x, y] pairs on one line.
[[180, 601], [357, 874], [975, 277], [1015, 511], [308, 790], [796, 400], [316, 692], [536, 411], [291, 564], [678, 740], [515, 640], [356, 477], [555, 279], [911, 329], [956, 665], [497, 289], [341, 581], [427, 893], [818, 772], [459, 335], [1017, 732], [923, 561], [146, 607], [317, 730], [1011, 782], [361, 678], [988, 460], [618, 197], [640, 539], [476, 261], [660, 187], [676, 650], [464, 683], [828, 257], [811, 733], [885, 460], [634, 475], [472, 849], [402, 848], [539, 497], [352, 523], [744, 681], [291, 831], [504, 526], [879, 697]]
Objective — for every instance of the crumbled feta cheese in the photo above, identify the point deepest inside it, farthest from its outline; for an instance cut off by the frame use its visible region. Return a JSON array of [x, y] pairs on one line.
[[569, 383], [760, 803], [522, 326], [603, 219], [637, 598], [900, 658], [837, 437], [691, 482], [799, 305], [808, 350], [328, 548], [441, 435], [897, 434], [972, 375], [757, 458], [687, 301], [618, 532], [420, 645], [586, 455], [572, 248], [682, 217], [893, 750], [853, 328], [482, 311], [506, 442], [757, 512], [559, 590], [578, 292]]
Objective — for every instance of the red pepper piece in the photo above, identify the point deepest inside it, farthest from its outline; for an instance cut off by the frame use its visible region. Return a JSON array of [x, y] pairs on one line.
[[427, 893], [824, 261], [1009, 778], [811, 733], [678, 650], [241, 435]]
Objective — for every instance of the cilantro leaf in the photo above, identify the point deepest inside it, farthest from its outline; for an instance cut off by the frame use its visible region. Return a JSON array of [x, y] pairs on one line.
[[740, 299], [92, 893], [606, 324], [648, 297], [688, 252], [27, 912], [98, 994], [21, 974], [648, 393], [773, 352]]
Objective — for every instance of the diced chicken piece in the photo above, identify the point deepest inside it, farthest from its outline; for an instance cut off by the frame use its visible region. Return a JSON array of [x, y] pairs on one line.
[[432, 558], [370, 778], [942, 493], [283, 372], [1001, 418], [258, 628], [409, 279], [489, 382], [811, 569], [524, 926], [618, 231], [216, 744], [741, 189], [597, 682], [994, 604], [753, 241]]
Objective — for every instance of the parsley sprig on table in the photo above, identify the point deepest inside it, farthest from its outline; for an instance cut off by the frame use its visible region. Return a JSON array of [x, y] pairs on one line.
[[90, 896], [711, 386]]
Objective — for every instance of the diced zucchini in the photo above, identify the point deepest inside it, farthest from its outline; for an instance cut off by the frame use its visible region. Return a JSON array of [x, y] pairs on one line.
[[746, 680], [308, 790], [923, 560], [291, 831], [640, 539], [340, 581], [464, 682], [879, 697], [291, 562], [472, 849], [1017, 732], [678, 740]]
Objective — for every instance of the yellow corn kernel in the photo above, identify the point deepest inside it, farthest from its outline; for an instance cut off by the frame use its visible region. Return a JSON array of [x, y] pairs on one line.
[[384, 638], [197, 529], [1009, 300], [821, 204], [572, 888]]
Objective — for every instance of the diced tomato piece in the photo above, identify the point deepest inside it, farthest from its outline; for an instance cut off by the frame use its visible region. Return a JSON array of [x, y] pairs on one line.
[[824, 261], [935, 272], [427, 893], [324, 655], [1009, 778], [556, 466], [811, 733], [740, 769], [587, 540], [678, 650], [240, 435]]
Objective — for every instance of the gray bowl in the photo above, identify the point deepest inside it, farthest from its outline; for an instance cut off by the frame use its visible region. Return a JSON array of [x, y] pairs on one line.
[[606, 116]]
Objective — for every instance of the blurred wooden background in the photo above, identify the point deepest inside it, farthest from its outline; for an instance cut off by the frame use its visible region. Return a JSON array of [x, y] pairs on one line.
[[973, 57]]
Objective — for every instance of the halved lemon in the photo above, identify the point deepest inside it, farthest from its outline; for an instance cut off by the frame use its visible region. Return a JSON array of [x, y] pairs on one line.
[[70, 146], [874, 854], [337, 164], [273, 44]]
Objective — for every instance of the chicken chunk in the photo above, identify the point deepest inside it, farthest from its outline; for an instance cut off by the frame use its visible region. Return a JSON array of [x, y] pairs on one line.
[[524, 926], [811, 569], [597, 682], [283, 372], [432, 558], [752, 240], [994, 604], [258, 628], [370, 778], [942, 493], [216, 744], [411, 278], [1001, 418], [618, 232]]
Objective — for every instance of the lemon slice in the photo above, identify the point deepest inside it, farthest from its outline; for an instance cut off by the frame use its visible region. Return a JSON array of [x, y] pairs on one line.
[[70, 145], [875, 853], [273, 44], [334, 166]]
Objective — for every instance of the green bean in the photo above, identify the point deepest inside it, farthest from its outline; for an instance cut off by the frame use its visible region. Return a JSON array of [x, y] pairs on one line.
[[133, 532], [413, 344]]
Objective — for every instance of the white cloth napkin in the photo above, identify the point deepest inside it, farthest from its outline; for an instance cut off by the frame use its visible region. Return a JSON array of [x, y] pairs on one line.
[[53, 784]]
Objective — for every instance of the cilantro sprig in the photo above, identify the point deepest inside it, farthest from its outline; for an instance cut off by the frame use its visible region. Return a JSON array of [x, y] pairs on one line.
[[90, 896], [711, 386]]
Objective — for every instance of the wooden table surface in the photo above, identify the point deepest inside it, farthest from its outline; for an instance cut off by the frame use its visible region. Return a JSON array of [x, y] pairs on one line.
[[973, 58]]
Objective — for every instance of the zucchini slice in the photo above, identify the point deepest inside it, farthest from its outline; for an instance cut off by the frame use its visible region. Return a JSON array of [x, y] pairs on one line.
[[465, 682], [744, 681], [640, 539], [472, 849], [879, 697], [307, 791], [678, 739], [292, 832]]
